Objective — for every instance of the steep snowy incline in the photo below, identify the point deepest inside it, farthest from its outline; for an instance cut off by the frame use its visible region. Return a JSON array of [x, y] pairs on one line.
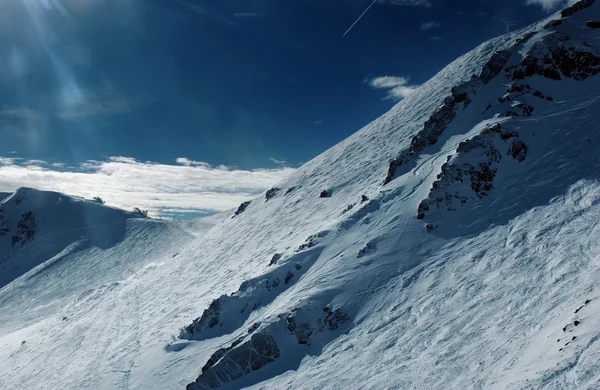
[[450, 243]]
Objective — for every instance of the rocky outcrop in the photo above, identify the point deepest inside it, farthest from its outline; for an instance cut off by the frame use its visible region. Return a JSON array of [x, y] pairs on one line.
[[580, 5], [593, 24], [518, 109], [3, 229], [271, 193], [210, 318], [301, 324], [471, 172], [553, 24], [237, 360], [241, 209], [460, 97], [229, 312], [555, 56], [25, 229]]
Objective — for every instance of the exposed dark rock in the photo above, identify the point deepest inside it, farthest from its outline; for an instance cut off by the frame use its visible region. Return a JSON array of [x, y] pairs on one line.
[[557, 54], [3, 229], [368, 248], [237, 360], [430, 227], [496, 63], [311, 240], [325, 194], [288, 277], [209, 319], [303, 330], [476, 162], [580, 5], [518, 150], [275, 259], [576, 322], [271, 193], [254, 327], [520, 109], [439, 120], [332, 320], [270, 285], [363, 198], [593, 24], [25, 229], [241, 209], [553, 23], [549, 98]]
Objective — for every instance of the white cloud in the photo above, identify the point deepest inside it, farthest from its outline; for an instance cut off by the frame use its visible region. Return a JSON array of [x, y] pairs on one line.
[[278, 161], [429, 25], [436, 38], [550, 5], [127, 183], [398, 87]]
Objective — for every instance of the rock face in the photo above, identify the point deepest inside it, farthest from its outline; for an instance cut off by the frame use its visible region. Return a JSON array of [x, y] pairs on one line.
[[3, 229], [460, 97], [209, 319], [241, 209], [271, 193], [580, 5], [302, 324], [237, 360], [557, 55], [25, 229], [470, 173], [593, 24]]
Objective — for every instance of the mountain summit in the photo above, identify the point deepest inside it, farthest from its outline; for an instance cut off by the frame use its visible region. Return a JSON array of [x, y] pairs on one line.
[[451, 243]]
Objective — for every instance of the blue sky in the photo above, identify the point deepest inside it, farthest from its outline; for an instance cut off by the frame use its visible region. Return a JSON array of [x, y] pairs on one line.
[[238, 85]]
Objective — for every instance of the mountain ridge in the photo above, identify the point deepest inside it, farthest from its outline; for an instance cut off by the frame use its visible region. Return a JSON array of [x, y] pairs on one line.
[[459, 267]]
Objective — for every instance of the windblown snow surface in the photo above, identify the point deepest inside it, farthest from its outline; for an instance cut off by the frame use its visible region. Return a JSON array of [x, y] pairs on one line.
[[452, 243]]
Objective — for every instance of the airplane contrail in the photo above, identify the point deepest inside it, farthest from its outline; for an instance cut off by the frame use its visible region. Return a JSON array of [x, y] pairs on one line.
[[359, 18]]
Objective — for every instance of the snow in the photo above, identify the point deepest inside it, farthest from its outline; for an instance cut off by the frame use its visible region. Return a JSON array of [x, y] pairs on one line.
[[377, 300]]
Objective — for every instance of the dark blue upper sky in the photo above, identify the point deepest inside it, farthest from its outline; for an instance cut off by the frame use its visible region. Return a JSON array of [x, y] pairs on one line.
[[234, 82]]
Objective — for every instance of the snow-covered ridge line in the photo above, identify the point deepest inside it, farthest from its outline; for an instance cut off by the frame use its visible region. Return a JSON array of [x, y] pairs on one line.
[[331, 280]]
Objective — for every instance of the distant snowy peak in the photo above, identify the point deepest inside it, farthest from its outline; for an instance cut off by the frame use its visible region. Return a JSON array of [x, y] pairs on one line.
[[43, 223]]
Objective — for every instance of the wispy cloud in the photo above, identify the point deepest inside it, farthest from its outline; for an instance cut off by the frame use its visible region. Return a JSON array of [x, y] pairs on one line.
[[398, 87], [189, 186], [550, 5], [278, 161], [435, 38], [429, 25]]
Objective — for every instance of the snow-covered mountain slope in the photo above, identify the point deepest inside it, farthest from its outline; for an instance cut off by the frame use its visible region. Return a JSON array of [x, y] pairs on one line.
[[35, 226], [452, 243]]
